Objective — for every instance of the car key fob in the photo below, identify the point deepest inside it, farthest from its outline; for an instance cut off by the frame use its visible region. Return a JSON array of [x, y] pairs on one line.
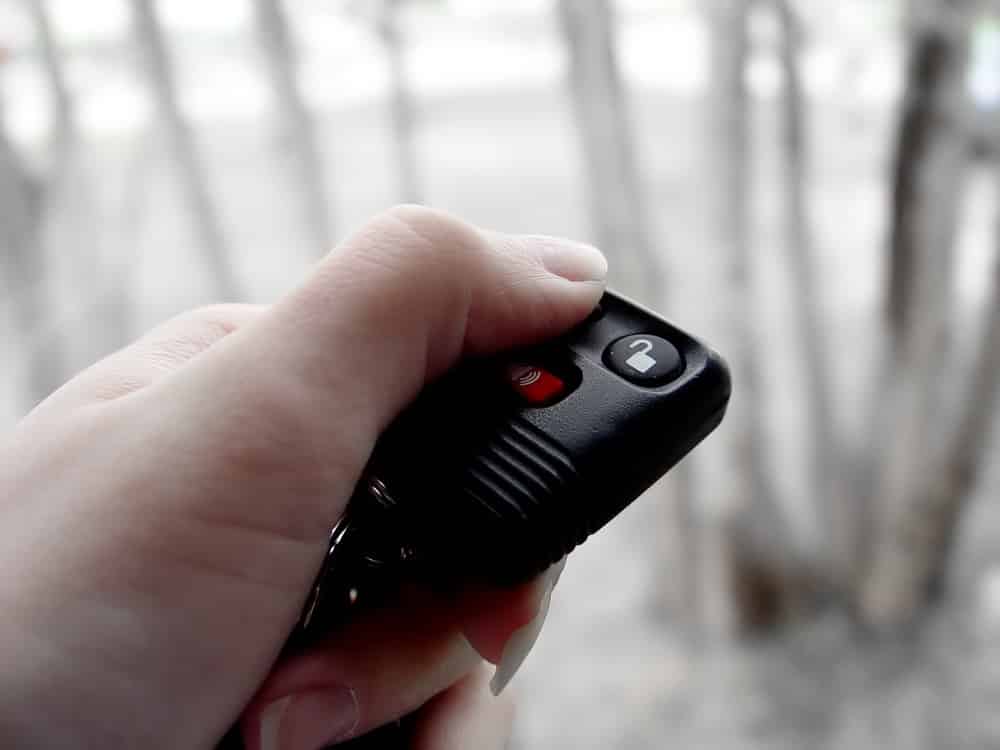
[[505, 465]]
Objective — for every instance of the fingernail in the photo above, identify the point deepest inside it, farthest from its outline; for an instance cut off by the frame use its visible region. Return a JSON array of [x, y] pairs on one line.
[[574, 261], [520, 644], [309, 721]]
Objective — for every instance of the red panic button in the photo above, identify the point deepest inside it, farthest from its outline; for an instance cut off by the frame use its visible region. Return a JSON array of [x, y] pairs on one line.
[[536, 386]]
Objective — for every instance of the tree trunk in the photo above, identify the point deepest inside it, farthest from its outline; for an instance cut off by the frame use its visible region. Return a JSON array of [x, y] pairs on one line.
[[752, 554], [69, 198], [966, 458], [194, 183], [930, 164], [832, 534], [927, 529], [932, 139], [731, 119], [26, 273], [679, 554], [62, 101], [404, 116], [614, 181], [280, 53]]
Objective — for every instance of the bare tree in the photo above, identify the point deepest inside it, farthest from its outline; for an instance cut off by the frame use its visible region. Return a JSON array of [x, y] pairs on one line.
[[964, 457], [55, 74], [68, 193], [404, 110], [930, 152], [614, 179], [194, 183], [300, 132], [925, 529], [754, 558], [26, 271], [680, 553], [730, 118], [930, 164], [830, 502]]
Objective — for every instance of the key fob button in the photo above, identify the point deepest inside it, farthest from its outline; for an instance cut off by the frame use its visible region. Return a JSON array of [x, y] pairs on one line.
[[644, 359], [535, 385]]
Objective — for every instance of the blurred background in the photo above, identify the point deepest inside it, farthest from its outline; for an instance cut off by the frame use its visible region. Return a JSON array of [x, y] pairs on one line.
[[812, 187]]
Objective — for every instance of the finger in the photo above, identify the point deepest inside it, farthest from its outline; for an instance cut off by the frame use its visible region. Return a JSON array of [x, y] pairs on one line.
[[466, 716], [162, 350], [308, 387], [491, 617], [381, 667], [408, 295], [520, 643]]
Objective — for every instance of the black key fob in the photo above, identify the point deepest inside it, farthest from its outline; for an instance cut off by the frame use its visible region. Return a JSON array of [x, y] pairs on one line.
[[505, 465]]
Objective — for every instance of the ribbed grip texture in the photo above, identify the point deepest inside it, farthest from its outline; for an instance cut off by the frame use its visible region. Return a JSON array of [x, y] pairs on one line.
[[523, 475]]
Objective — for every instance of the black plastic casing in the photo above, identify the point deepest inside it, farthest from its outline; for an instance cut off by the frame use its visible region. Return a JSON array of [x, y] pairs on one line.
[[475, 486], [486, 488]]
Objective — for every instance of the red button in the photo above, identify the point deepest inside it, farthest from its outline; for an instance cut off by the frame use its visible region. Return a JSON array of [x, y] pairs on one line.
[[535, 385]]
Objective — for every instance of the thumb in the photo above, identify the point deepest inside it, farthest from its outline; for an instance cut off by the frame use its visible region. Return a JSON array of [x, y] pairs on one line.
[[268, 431]]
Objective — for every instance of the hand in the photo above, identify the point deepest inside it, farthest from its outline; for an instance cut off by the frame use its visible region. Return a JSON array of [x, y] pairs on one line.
[[162, 516]]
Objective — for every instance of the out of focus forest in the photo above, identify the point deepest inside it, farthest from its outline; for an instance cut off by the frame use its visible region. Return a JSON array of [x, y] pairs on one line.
[[811, 187]]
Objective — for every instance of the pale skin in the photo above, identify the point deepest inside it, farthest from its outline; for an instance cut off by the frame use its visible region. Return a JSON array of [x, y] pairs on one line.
[[162, 515]]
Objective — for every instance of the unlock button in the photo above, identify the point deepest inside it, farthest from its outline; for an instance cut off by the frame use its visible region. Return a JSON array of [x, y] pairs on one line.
[[644, 359]]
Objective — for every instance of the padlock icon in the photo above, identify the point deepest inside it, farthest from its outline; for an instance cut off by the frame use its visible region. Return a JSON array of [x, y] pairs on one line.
[[641, 362]]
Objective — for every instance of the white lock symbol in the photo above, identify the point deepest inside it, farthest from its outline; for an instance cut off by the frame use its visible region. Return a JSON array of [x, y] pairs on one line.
[[641, 362]]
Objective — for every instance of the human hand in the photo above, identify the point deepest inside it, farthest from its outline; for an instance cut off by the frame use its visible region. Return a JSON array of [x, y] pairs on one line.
[[162, 515]]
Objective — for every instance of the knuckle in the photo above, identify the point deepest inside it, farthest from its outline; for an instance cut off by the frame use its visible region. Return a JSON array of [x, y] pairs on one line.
[[425, 235], [217, 318], [187, 336], [411, 257]]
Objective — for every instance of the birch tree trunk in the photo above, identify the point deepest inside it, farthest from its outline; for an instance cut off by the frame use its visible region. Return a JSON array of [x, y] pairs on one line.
[[55, 74], [928, 525], [403, 107], [749, 538], [965, 457], [25, 273], [731, 118], [614, 180], [833, 532], [194, 183], [300, 131], [930, 154], [929, 173], [69, 197]]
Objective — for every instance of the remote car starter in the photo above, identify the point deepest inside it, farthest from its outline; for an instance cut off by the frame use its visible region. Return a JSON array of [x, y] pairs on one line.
[[505, 465]]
